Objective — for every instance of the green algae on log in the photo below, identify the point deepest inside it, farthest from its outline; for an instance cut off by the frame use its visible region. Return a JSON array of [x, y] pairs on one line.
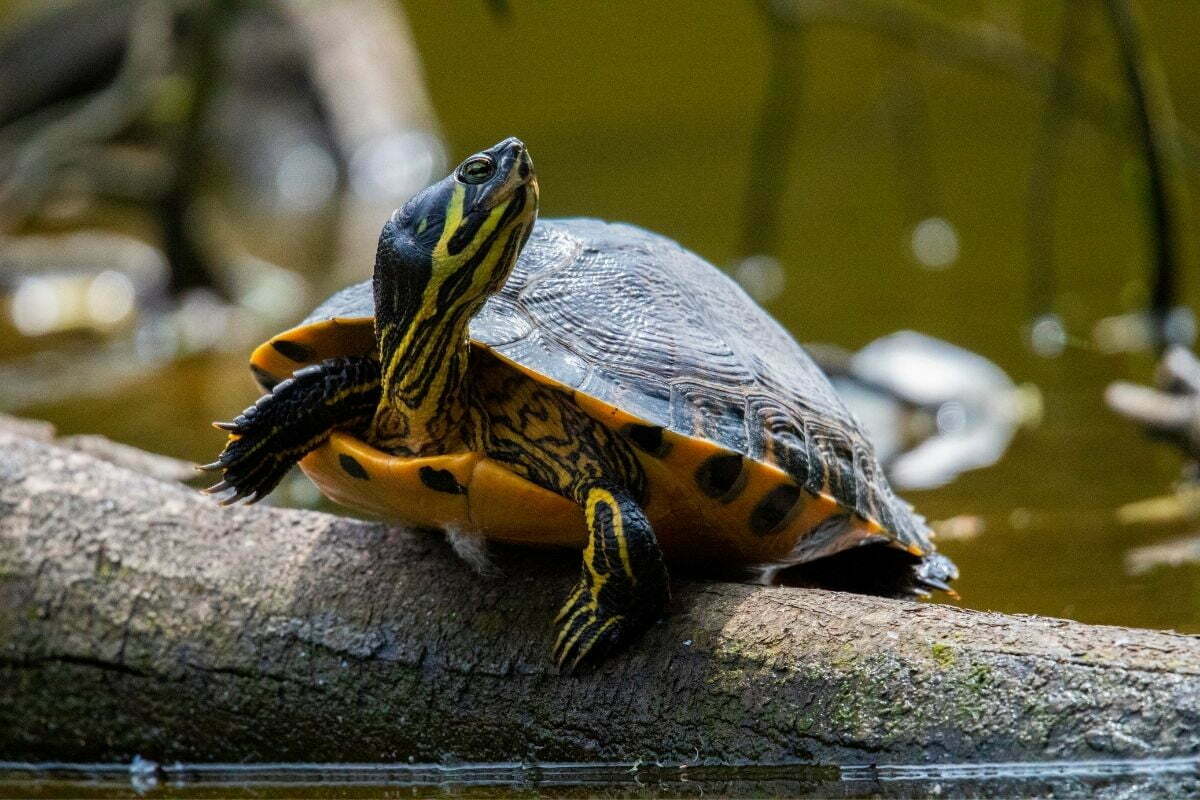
[[138, 617]]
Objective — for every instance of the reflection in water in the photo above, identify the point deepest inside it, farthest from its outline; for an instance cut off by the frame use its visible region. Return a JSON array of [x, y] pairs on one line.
[[88, 279], [1173, 553], [935, 243], [931, 409], [1170, 413], [1169, 777]]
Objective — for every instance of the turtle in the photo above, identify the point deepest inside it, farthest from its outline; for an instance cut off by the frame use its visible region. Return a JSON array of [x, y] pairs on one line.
[[568, 382]]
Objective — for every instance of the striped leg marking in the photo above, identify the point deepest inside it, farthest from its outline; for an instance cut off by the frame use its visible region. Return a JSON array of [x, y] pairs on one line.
[[294, 419], [623, 588]]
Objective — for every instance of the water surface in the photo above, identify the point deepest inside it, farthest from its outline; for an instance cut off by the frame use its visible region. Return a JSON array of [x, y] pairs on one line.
[[1147, 779]]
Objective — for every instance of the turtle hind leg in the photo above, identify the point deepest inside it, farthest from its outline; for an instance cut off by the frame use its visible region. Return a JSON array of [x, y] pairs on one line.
[[934, 571], [623, 588], [269, 437]]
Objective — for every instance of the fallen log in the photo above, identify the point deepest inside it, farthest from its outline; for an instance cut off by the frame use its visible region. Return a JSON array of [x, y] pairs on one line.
[[138, 617]]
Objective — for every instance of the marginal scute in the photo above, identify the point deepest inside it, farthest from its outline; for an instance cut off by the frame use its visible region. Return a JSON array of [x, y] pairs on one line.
[[352, 468], [294, 350], [648, 438], [441, 480], [722, 476], [772, 512]]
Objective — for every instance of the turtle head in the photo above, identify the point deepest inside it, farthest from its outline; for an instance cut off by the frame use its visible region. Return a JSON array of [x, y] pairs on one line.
[[456, 242], [441, 256], [476, 218]]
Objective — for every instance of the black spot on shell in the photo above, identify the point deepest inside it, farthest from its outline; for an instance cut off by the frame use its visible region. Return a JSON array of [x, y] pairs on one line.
[[265, 379], [353, 468], [722, 477], [648, 438], [293, 350], [441, 480], [774, 509]]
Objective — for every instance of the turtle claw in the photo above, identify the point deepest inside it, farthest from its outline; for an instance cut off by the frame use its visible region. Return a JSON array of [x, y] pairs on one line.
[[225, 426], [240, 494], [253, 475], [935, 571], [247, 469]]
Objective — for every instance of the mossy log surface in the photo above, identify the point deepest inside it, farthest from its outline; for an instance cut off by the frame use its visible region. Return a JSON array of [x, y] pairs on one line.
[[138, 617]]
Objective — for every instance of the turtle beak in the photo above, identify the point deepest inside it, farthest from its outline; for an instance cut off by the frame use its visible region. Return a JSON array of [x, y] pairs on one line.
[[514, 169]]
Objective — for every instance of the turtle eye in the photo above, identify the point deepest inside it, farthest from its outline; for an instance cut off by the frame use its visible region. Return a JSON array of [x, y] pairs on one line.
[[476, 169]]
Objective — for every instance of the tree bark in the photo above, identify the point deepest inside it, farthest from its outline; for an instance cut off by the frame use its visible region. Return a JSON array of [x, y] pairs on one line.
[[138, 617]]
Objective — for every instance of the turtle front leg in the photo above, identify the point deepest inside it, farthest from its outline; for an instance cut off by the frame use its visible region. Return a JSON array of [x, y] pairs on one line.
[[623, 588], [295, 418]]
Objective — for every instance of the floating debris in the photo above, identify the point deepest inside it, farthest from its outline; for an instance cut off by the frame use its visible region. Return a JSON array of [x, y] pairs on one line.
[[1174, 553], [1170, 412], [931, 409]]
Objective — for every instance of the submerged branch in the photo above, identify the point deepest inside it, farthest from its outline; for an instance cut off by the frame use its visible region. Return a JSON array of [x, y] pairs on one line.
[[1047, 158], [137, 617], [986, 50], [1166, 194]]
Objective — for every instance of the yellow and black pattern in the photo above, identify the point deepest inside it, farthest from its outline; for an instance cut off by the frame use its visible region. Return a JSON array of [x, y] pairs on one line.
[[439, 259], [541, 434], [299, 414], [624, 586]]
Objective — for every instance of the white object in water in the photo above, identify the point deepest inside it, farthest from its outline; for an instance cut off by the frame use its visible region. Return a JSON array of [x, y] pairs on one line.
[[974, 408]]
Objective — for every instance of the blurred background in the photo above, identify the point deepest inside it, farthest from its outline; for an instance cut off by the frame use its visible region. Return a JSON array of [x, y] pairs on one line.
[[975, 213]]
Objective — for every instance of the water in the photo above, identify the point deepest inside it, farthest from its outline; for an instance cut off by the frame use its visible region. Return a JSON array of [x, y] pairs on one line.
[[1145, 779]]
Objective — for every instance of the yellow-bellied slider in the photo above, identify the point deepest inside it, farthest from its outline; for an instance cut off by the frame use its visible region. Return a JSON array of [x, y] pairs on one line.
[[570, 382]]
